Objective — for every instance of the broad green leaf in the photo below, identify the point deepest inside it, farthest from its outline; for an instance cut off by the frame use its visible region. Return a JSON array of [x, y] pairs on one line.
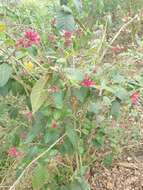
[[78, 5], [32, 50], [66, 9], [80, 94], [83, 183], [99, 139], [3, 108], [63, 2], [13, 112], [122, 94], [106, 101], [51, 136], [65, 20], [5, 89], [79, 184], [117, 78], [115, 109], [72, 135], [15, 140], [58, 100], [39, 178], [39, 93], [95, 107], [66, 147], [74, 74], [36, 128], [108, 159], [5, 73]]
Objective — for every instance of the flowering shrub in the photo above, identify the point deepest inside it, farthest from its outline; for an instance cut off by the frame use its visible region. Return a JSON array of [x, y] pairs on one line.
[[30, 38], [67, 101]]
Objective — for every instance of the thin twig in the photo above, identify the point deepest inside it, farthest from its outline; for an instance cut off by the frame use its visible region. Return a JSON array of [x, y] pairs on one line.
[[116, 36]]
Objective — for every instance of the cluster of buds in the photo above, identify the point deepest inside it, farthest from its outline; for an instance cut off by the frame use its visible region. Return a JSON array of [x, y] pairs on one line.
[[134, 98], [67, 35], [30, 38], [117, 48], [87, 82]]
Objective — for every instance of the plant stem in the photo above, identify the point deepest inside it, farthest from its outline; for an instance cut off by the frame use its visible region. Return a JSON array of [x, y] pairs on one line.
[[35, 160]]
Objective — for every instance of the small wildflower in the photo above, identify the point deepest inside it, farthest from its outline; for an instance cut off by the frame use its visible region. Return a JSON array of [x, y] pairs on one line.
[[87, 82], [30, 38], [67, 42], [2, 27], [117, 48], [29, 116], [53, 89], [67, 34], [28, 66], [52, 38], [20, 42], [134, 98], [54, 124], [13, 152], [23, 135]]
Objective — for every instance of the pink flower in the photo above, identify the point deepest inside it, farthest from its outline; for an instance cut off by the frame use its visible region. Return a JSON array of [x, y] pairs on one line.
[[87, 82], [52, 38], [67, 42], [117, 48], [53, 89], [54, 124], [67, 34], [13, 152], [23, 135], [20, 42], [134, 98], [30, 38], [29, 116]]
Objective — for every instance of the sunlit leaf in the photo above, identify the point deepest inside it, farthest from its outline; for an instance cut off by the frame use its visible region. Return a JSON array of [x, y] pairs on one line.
[[39, 93], [5, 73]]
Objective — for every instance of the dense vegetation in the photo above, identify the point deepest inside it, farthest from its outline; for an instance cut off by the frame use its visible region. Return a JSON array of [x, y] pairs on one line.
[[71, 89]]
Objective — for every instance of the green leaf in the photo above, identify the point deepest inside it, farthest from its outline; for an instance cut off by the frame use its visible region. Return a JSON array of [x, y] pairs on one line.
[[66, 9], [66, 147], [15, 140], [32, 50], [108, 159], [5, 89], [115, 109], [80, 94], [99, 139], [65, 20], [5, 73], [72, 135], [94, 107], [13, 112], [117, 78], [77, 184], [63, 2], [78, 5], [51, 136], [122, 94], [58, 100], [74, 74], [40, 177], [39, 93]]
